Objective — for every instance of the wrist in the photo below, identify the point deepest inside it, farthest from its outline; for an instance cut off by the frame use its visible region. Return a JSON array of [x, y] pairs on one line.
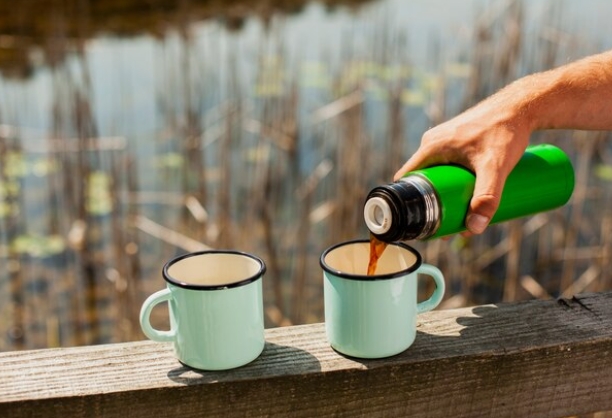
[[533, 98]]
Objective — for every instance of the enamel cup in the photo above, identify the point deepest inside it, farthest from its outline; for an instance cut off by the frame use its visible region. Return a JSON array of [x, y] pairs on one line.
[[374, 316], [215, 307]]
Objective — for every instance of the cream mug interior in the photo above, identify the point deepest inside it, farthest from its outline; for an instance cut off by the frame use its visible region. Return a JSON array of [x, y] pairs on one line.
[[213, 270], [351, 259]]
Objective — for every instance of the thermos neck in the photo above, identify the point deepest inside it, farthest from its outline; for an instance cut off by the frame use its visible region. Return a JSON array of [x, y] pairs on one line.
[[405, 210]]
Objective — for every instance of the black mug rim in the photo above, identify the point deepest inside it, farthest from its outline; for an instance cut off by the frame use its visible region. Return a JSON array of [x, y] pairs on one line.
[[192, 286], [365, 277]]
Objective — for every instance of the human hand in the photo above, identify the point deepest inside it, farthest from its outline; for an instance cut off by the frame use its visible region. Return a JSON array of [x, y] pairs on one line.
[[488, 139], [491, 137]]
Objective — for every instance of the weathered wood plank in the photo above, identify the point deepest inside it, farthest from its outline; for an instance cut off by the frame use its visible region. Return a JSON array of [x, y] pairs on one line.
[[538, 358]]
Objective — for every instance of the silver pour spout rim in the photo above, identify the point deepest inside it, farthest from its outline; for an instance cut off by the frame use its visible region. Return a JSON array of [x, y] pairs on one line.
[[432, 203]]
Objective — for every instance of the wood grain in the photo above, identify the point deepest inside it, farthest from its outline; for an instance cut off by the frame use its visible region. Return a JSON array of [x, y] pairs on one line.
[[531, 359]]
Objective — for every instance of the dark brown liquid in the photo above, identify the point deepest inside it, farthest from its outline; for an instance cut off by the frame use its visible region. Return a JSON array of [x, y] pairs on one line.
[[377, 247]]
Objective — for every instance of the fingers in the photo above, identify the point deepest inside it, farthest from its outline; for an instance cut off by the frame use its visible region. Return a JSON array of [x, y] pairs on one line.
[[485, 200], [492, 169], [415, 162], [438, 146], [491, 172], [425, 156], [476, 223]]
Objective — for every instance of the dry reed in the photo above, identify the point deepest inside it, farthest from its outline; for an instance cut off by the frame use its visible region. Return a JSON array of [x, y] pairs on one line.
[[257, 170]]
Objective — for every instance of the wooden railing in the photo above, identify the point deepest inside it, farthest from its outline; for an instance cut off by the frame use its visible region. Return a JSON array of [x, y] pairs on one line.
[[532, 359]]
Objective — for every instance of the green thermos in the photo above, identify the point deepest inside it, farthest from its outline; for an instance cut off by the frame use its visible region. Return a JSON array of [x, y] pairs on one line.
[[433, 202]]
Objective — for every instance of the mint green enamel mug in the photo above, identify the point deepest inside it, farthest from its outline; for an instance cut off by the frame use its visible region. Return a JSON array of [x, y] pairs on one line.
[[374, 316], [215, 306]]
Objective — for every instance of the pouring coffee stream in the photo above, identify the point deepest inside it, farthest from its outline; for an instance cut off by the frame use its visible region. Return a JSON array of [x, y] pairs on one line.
[[377, 247]]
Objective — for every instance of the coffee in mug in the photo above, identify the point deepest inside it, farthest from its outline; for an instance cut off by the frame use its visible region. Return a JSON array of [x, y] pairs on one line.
[[374, 316]]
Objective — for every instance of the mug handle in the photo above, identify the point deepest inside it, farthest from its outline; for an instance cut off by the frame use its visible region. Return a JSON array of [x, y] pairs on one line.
[[438, 294], [145, 316]]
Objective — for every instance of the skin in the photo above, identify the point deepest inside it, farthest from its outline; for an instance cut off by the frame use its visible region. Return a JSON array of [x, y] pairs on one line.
[[491, 137]]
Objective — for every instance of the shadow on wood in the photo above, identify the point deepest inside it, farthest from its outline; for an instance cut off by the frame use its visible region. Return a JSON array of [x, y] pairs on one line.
[[537, 358]]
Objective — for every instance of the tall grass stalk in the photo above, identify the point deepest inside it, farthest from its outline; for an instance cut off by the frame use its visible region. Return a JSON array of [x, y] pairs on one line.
[[258, 161]]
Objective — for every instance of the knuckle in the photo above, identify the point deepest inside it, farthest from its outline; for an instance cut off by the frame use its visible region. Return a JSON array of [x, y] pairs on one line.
[[486, 203]]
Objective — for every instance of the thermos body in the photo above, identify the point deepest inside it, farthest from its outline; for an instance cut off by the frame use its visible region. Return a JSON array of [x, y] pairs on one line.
[[433, 202]]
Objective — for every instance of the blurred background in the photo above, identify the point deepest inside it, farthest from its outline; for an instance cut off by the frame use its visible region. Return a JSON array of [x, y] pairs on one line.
[[132, 131]]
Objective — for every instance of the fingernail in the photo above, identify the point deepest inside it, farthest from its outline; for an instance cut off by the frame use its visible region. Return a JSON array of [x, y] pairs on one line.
[[477, 223]]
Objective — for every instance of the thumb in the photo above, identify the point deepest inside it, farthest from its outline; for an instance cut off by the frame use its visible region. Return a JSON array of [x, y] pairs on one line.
[[418, 160], [485, 201]]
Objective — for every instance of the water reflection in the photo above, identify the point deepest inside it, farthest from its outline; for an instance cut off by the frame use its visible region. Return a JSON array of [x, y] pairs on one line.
[[118, 153], [48, 28]]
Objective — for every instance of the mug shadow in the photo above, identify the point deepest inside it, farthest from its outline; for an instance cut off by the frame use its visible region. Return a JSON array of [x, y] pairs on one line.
[[439, 337], [468, 333], [484, 329], [274, 360]]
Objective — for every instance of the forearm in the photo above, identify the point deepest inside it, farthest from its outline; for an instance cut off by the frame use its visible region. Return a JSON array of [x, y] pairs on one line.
[[574, 96], [491, 137]]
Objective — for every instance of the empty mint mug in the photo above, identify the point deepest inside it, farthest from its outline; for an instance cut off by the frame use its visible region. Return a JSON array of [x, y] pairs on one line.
[[374, 316], [215, 307]]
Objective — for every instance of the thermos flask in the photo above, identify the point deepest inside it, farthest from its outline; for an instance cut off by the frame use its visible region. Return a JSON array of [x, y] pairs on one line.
[[433, 202]]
